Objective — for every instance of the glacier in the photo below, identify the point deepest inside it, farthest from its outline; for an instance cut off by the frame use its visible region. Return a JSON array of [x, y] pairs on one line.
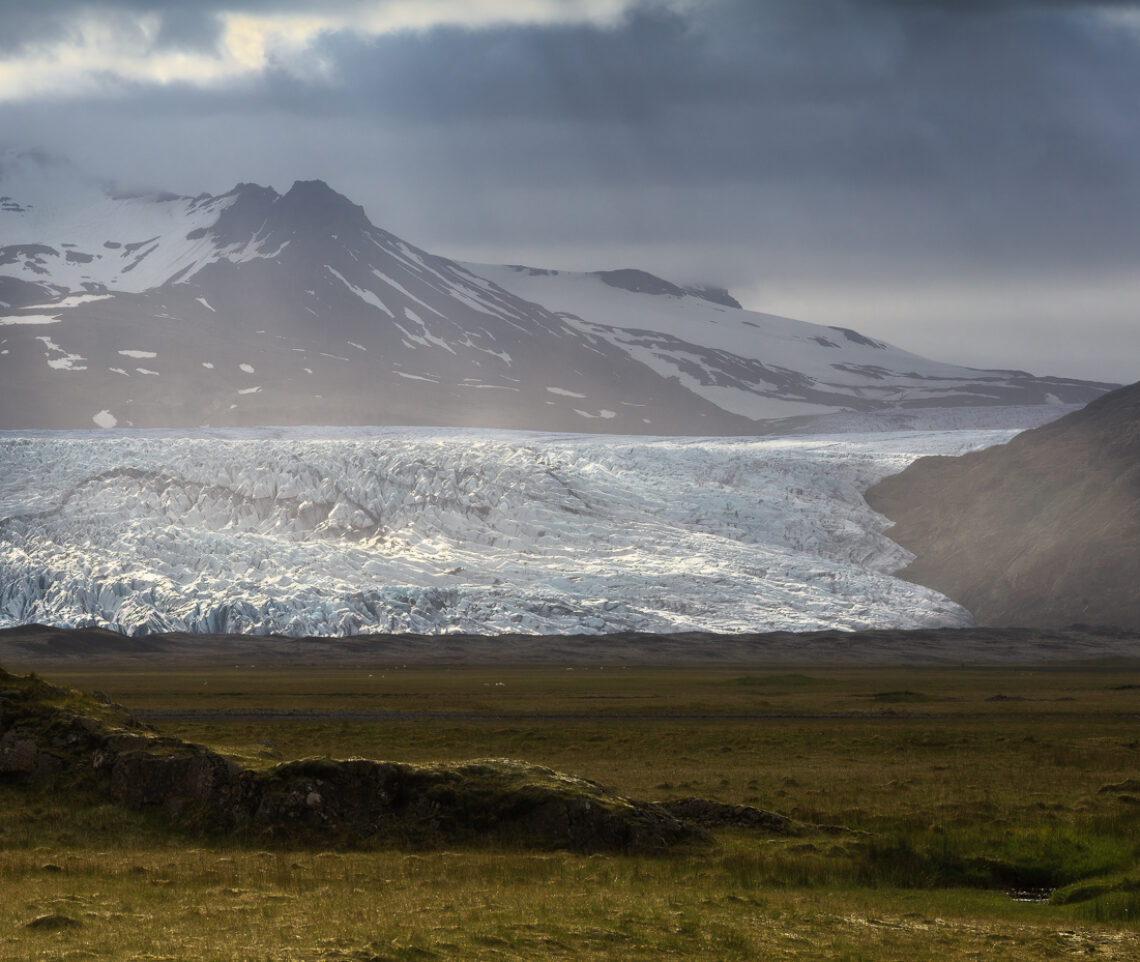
[[338, 531]]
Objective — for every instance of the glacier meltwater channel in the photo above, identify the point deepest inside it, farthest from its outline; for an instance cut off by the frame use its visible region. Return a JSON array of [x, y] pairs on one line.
[[342, 531]]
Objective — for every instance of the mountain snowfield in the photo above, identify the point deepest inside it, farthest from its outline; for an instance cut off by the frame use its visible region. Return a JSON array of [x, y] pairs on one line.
[[341, 531], [796, 368], [254, 307]]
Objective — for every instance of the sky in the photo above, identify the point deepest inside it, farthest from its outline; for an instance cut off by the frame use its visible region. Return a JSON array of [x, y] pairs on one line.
[[958, 177]]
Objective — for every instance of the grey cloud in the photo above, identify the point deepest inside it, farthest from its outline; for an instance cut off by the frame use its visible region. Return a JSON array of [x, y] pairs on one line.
[[190, 27], [24, 26], [191, 24], [1022, 118], [872, 93], [1031, 103]]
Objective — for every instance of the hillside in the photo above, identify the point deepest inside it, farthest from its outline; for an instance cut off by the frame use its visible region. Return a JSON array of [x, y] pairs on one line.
[[1044, 530]]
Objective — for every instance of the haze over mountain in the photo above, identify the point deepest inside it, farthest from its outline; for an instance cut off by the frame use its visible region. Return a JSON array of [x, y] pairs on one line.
[[255, 307], [1042, 531]]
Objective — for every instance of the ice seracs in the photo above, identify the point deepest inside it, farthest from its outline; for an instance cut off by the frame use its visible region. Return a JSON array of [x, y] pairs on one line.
[[343, 531]]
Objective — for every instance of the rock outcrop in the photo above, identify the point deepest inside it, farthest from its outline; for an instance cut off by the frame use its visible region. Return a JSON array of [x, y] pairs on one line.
[[83, 744]]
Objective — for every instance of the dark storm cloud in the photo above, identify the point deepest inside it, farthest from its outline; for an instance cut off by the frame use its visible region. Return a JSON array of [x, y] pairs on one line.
[[901, 94], [1009, 96], [190, 27], [25, 25], [1022, 117], [807, 143], [1002, 114]]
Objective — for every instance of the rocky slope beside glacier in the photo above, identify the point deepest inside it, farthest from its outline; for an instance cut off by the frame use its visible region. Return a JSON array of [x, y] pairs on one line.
[[1044, 530]]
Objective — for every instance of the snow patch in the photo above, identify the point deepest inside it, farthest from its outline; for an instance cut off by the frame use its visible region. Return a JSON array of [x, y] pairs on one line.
[[138, 355], [564, 393], [408, 294], [205, 303], [248, 368], [105, 419], [250, 390], [365, 295], [68, 362], [208, 365], [28, 319], [73, 300]]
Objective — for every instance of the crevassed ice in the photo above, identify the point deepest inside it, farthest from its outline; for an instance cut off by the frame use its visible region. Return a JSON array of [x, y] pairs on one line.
[[438, 531]]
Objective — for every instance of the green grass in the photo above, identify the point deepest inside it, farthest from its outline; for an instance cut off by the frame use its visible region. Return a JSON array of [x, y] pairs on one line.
[[951, 788]]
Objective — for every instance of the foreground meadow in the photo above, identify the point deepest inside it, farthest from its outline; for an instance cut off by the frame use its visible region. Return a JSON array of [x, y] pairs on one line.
[[942, 814]]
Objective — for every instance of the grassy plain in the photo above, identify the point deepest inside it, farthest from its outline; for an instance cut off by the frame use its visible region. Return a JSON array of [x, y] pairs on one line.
[[949, 788]]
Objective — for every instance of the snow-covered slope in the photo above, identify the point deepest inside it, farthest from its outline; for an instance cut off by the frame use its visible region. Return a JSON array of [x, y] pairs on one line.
[[72, 234], [334, 532], [760, 365], [256, 307]]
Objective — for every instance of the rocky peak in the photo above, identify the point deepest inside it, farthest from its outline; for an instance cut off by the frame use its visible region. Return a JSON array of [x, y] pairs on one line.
[[317, 208]]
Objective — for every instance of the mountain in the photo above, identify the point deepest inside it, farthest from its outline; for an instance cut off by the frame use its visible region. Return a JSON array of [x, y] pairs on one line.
[[1042, 531], [254, 307]]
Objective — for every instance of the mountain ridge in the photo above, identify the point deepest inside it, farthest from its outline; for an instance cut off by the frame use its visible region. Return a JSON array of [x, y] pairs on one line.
[[256, 307]]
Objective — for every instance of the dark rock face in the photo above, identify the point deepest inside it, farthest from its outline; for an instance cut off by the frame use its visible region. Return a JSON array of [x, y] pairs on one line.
[[196, 779], [82, 743], [18, 753], [639, 282], [717, 814], [361, 802], [642, 282], [1043, 531]]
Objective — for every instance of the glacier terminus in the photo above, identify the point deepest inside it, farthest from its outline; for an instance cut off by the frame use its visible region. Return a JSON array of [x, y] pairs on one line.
[[342, 531]]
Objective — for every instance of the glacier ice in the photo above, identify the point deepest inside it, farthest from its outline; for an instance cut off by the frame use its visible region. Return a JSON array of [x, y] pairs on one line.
[[341, 531]]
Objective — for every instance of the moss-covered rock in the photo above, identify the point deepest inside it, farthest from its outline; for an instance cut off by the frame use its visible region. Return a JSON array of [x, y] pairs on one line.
[[82, 741]]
